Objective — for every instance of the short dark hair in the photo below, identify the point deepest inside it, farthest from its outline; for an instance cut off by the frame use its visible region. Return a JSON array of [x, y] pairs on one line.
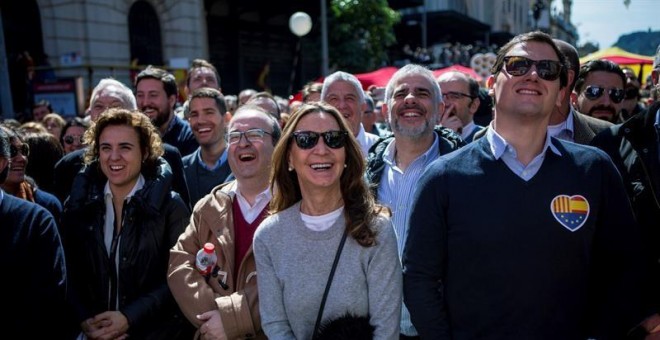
[[572, 59], [199, 63], [598, 65], [168, 80], [536, 36], [207, 92]]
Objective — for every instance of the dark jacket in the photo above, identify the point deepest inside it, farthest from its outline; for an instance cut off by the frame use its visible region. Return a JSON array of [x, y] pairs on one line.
[[67, 168], [180, 135], [633, 146], [153, 219], [448, 141], [585, 128], [35, 277]]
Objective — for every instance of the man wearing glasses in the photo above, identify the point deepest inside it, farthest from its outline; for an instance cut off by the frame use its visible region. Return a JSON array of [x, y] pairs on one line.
[[207, 167], [599, 90], [224, 304], [550, 253], [461, 96], [565, 122]]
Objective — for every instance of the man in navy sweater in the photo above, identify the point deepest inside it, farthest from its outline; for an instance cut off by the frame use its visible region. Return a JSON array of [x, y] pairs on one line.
[[32, 258], [553, 252]]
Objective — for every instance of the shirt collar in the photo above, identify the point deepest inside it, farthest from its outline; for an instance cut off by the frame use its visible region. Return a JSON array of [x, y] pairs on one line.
[[565, 128], [138, 185], [218, 164], [264, 195], [390, 152], [498, 145], [467, 130]]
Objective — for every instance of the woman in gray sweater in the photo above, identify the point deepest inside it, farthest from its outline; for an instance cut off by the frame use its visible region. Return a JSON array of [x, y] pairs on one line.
[[318, 193]]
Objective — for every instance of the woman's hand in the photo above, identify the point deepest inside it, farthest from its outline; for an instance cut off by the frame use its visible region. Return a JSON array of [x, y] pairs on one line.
[[107, 326], [212, 328]]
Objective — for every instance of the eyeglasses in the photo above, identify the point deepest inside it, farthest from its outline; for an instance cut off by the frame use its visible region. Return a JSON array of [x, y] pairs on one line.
[[594, 92], [252, 135], [70, 139], [632, 93], [520, 66], [334, 139], [456, 95], [24, 149]]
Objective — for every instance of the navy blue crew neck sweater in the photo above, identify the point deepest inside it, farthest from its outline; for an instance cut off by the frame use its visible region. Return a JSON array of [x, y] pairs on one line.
[[512, 269]]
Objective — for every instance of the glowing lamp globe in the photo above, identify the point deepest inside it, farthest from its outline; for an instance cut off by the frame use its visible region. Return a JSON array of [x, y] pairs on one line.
[[300, 23]]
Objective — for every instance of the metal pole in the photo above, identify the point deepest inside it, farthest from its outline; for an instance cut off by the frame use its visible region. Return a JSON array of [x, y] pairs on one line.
[[424, 37], [324, 39]]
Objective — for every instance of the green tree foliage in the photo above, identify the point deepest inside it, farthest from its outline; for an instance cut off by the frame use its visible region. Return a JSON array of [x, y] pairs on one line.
[[360, 32]]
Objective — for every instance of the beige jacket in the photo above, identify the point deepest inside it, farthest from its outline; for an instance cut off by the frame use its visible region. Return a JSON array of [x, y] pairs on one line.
[[212, 221]]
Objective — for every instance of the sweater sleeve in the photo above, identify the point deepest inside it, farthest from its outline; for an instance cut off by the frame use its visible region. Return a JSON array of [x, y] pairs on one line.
[[424, 259], [385, 284], [617, 272], [273, 316]]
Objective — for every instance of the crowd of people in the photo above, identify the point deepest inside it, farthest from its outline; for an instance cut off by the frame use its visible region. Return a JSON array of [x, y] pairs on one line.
[[392, 213]]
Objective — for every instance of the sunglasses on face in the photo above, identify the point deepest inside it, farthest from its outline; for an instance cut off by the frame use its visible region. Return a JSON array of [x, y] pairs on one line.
[[24, 149], [520, 66], [594, 92], [70, 139], [334, 139], [252, 135], [632, 93]]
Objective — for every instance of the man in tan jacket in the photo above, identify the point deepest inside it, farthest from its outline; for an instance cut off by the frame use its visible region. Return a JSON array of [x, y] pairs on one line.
[[224, 305]]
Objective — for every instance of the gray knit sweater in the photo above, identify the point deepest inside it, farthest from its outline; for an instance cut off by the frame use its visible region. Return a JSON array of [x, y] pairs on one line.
[[293, 264]]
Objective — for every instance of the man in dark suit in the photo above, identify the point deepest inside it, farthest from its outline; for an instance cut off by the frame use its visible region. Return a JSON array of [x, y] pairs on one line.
[[634, 147], [565, 122]]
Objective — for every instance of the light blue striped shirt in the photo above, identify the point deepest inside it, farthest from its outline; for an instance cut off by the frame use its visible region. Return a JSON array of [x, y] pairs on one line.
[[502, 149], [395, 190]]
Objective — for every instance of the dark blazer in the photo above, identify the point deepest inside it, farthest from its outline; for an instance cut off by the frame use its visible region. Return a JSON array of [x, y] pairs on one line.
[[585, 128]]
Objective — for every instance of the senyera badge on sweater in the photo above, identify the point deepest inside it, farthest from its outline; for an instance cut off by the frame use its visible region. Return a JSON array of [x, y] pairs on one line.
[[570, 211]]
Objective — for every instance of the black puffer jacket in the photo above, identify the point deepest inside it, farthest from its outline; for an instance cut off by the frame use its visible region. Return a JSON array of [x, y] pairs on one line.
[[153, 220], [448, 141], [633, 147]]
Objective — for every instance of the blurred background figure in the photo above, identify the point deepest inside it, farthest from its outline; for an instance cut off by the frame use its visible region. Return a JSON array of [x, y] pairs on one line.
[[72, 134], [54, 124]]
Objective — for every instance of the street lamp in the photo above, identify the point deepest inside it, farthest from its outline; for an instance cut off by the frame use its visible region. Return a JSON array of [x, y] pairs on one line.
[[300, 24]]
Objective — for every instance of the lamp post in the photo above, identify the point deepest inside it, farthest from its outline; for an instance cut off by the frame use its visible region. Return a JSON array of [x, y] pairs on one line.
[[300, 24]]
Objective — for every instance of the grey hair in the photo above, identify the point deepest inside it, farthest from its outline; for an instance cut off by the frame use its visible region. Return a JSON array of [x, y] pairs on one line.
[[343, 76], [124, 93], [413, 69]]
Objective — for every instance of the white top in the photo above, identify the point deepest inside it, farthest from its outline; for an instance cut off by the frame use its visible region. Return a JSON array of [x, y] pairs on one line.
[[251, 212], [322, 222], [366, 140]]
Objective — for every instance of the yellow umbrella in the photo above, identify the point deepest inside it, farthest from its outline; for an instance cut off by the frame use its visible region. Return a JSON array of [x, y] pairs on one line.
[[640, 64]]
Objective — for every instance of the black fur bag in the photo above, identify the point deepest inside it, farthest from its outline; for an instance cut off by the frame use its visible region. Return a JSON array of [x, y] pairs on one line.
[[346, 327]]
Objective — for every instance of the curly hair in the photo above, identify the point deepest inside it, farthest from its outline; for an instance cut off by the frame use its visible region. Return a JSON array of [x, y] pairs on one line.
[[360, 208], [150, 142]]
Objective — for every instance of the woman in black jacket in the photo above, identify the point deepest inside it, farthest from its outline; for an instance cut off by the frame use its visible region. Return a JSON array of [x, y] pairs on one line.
[[119, 223]]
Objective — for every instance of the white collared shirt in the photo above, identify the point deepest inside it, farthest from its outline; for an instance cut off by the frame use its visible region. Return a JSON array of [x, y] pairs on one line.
[[251, 212], [109, 226], [366, 140]]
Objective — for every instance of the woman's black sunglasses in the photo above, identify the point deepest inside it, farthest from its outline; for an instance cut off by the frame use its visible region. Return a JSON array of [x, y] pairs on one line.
[[594, 92], [520, 66], [334, 139], [24, 149]]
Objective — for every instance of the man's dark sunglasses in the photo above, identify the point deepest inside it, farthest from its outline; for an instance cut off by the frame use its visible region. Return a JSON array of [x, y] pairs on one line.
[[520, 66], [593, 92], [24, 149], [70, 139], [632, 93], [307, 139]]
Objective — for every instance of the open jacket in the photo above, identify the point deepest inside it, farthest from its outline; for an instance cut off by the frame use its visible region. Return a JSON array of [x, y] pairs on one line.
[[633, 147], [153, 219], [448, 141], [212, 221]]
